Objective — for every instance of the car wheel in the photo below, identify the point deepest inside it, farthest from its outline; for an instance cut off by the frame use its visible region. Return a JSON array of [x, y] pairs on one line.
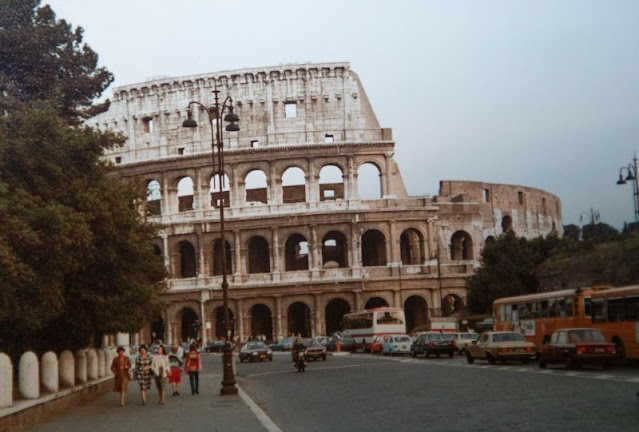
[[451, 354], [241, 359], [542, 363], [607, 364], [412, 353], [526, 361], [570, 363], [490, 358], [469, 357], [324, 357], [437, 355]]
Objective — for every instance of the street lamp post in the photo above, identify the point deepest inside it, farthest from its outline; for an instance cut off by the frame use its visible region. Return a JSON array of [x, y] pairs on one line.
[[631, 170], [215, 112]]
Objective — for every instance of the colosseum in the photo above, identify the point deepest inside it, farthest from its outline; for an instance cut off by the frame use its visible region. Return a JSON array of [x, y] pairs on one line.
[[317, 220]]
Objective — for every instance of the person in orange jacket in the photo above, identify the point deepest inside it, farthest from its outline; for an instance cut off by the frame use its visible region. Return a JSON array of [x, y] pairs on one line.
[[193, 366]]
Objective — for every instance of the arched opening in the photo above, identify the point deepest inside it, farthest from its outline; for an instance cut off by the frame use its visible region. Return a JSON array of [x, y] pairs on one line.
[[411, 247], [157, 330], [331, 183], [256, 188], [334, 315], [452, 304], [334, 250], [185, 264], [416, 311], [375, 302], [373, 248], [299, 319], [461, 246], [220, 191], [293, 185], [506, 224], [190, 324], [185, 194], [219, 323], [259, 260], [154, 198], [296, 253], [222, 256], [369, 182], [261, 322]]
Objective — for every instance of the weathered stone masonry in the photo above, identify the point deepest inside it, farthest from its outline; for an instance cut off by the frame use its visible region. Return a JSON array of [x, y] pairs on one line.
[[305, 241]]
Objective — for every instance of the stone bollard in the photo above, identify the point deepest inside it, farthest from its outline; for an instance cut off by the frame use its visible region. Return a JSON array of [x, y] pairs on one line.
[[29, 376], [6, 381], [109, 356], [92, 365], [101, 363], [80, 367], [67, 369], [49, 372]]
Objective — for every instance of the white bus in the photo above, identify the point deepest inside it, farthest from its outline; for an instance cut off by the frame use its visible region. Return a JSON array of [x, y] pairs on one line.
[[371, 323]]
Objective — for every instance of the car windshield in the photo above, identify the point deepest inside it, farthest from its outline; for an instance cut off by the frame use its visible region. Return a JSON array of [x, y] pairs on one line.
[[434, 336], [255, 345], [402, 339], [469, 336], [586, 335], [507, 337]]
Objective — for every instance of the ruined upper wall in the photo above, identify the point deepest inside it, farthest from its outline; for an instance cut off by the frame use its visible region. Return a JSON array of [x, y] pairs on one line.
[[280, 105], [529, 211]]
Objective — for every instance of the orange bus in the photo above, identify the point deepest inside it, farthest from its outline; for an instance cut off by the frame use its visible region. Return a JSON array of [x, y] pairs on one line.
[[615, 312], [538, 315]]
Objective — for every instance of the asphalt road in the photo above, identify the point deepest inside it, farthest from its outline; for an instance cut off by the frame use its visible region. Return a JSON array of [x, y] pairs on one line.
[[364, 392]]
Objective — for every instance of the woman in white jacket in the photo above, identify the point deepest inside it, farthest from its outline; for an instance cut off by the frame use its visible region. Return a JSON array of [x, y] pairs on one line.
[[161, 370]]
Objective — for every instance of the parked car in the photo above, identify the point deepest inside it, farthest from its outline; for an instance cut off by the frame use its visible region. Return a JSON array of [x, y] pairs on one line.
[[396, 344], [314, 349], [285, 344], [576, 346], [375, 346], [215, 346], [432, 343], [347, 344], [463, 339], [501, 347], [255, 351]]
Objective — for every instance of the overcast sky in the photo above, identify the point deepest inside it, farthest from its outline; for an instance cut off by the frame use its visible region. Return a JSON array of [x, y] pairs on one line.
[[536, 93]]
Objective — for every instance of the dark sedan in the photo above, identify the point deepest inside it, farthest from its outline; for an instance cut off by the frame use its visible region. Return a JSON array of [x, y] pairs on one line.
[[346, 344], [215, 346], [255, 351], [576, 346], [432, 343]]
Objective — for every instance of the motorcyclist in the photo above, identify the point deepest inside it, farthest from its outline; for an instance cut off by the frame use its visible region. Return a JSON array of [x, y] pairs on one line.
[[298, 347]]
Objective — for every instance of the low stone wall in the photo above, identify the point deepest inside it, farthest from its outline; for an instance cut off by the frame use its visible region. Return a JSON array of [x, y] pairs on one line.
[[26, 413], [50, 384]]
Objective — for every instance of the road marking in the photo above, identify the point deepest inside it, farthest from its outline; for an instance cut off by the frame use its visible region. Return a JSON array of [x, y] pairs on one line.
[[526, 369], [259, 413], [288, 371]]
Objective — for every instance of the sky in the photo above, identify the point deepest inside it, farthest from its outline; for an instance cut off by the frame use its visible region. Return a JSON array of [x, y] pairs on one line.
[[535, 93]]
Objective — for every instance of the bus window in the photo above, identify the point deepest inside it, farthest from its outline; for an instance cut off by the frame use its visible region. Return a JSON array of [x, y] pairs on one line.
[[616, 310], [632, 308], [598, 310], [587, 307], [543, 313]]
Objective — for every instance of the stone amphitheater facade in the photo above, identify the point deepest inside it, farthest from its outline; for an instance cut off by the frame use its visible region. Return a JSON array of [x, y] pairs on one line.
[[317, 218]]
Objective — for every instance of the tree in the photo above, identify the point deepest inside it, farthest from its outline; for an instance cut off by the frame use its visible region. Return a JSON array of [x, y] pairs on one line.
[[599, 232], [76, 253], [507, 268], [572, 232], [44, 62]]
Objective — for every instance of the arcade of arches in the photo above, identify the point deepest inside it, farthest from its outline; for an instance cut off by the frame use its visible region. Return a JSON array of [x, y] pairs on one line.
[[274, 318]]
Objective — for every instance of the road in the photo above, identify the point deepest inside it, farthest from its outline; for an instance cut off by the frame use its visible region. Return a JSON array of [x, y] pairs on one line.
[[364, 392]]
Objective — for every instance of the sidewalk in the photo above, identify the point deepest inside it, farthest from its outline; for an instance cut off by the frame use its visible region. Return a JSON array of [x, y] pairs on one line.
[[207, 411]]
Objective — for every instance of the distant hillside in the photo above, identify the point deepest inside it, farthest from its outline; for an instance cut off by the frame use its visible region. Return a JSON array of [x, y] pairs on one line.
[[614, 263]]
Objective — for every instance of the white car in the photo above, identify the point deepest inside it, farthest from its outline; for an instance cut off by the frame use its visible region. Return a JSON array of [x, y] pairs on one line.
[[463, 339], [396, 344]]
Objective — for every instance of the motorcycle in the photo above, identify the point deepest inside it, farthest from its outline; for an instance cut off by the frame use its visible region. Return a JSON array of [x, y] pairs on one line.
[[300, 361]]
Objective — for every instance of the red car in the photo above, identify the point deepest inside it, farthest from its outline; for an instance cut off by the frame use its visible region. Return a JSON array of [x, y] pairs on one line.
[[576, 346], [375, 346]]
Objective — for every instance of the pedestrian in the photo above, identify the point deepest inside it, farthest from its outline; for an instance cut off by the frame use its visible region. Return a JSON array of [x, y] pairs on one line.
[[120, 368], [143, 372], [193, 366], [161, 369], [175, 361]]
